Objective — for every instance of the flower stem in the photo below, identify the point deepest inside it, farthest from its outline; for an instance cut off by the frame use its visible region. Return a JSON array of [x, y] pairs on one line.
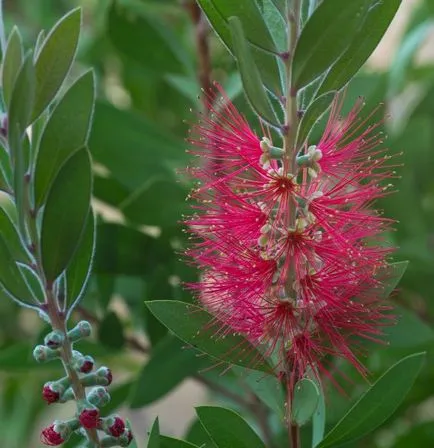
[[57, 318], [289, 141]]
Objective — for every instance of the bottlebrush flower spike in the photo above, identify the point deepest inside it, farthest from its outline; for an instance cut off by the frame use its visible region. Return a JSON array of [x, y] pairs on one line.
[[291, 256]]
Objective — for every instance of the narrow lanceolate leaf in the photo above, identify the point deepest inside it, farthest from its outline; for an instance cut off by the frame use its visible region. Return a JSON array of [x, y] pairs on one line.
[[255, 29], [250, 76], [11, 64], [154, 435], [21, 102], [65, 213], [227, 428], [78, 272], [318, 421], [392, 275], [305, 401], [11, 278], [362, 46], [313, 113], [196, 326], [377, 404], [266, 62], [170, 442], [66, 131], [326, 35], [54, 59], [10, 234]]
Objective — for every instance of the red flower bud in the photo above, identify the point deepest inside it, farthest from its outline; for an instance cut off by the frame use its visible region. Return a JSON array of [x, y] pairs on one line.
[[109, 377], [50, 395], [89, 418], [130, 437], [50, 437], [117, 428], [86, 367]]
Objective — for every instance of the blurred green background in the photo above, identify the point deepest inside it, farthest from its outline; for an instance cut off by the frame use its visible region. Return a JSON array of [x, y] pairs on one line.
[[144, 53]]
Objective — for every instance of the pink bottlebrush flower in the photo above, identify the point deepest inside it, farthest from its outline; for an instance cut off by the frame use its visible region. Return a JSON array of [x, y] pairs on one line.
[[291, 257]]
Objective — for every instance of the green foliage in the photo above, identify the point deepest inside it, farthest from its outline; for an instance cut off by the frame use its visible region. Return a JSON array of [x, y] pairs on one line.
[[227, 428], [305, 401], [377, 404], [65, 213]]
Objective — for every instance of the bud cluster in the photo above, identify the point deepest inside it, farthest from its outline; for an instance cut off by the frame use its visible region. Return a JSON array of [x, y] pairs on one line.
[[88, 415]]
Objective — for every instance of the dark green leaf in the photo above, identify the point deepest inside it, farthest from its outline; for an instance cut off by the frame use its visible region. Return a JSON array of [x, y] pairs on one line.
[[10, 276], [250, 76], [326, 35], [111, 332], [11, 64], [255, 29], [54, 59], [154, 436], [196, 326], [170, 442], [21, 103], [266, 387], [66, 213], [159, 203], [266, 62], [363, 44], [305, 401], [79, 270], [377, 404], [168, 356], [12, 238], [125, 251], [146, 151], [319, 421], [410, 331], [196, 434], [144, 39], [65, 132], [313, 113], [227, 428]]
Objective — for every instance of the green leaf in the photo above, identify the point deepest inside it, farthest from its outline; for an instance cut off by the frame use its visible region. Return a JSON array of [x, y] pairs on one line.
[[55, 58], [392, 275], [196, 434], [144, 39], [11, 277], [252, 20], [319, 421], [266, 387], [305, 401], [147, 151], [250, 76], [12, 238], [410, 331], [168, 356], [11, 64], [66, 131], [266, 62], [377, 404], [170, 442], [154, 436], [195, 326], [79, 270], [111, 332], [227, 428], [326, 35], [66, 213], [312, 115], [21, 103], [362, 46]]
